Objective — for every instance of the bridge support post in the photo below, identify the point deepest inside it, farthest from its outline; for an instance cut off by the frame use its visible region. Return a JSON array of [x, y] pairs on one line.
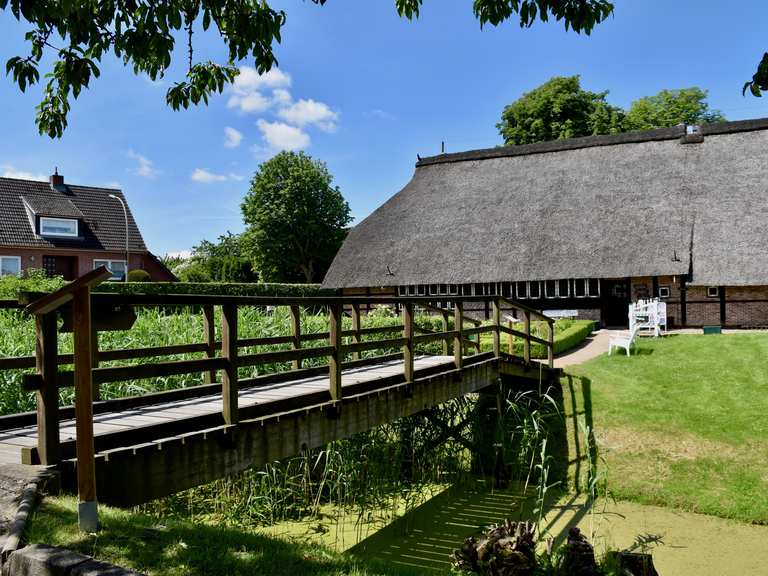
[[229, 390], [48, 395], [496, 312], [458, 345], [408, 346], [356, 337], [209, 328], [446, 344], [550, 345], [337, 356], [95, 360], [527, 330], [88, 516], [296, 333]]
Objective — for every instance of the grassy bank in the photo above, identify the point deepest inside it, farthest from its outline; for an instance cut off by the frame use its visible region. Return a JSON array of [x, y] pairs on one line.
[[172, 547], [682, 422]]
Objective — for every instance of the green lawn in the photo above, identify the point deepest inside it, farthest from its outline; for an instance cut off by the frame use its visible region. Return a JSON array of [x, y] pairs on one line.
[[682, 423], [170, 547]]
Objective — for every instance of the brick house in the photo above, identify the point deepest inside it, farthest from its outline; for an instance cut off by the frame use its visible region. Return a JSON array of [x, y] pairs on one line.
[[583, 225], [68, 230]]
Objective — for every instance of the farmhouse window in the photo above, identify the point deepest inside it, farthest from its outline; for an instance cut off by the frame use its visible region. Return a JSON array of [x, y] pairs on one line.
[[117, 267], [563, 288], [534, 289], [10, 266], [453, 289], [713, 292], [593, 287], [550, 289], [664, 292], [522, 290], [421, 289], [58, 227], [443, 289]]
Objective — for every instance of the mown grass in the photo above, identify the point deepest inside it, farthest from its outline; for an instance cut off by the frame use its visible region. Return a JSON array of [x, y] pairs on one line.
[[682, 423], [173, 547]]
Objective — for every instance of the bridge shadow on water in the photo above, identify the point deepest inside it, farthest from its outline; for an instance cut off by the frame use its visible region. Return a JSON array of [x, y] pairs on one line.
[[425, 537]]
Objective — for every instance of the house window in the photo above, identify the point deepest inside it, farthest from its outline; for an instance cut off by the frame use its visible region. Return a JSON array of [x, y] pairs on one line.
[[420, 289], [443, 289], [10, 266], [453, 289], [593, 287], [534, 289], [522, 290], [58, 227], [664, 292], [506, 289], [713, 292], [117, 267], [550, 289], [401, 290], [563, 288], [580, 288], [433, 289]]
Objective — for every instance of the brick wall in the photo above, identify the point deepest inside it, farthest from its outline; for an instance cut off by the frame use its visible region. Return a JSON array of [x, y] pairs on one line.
[[747, 314]]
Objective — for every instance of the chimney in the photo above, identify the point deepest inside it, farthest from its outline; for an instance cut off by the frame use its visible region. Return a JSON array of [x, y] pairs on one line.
[[57, 182]]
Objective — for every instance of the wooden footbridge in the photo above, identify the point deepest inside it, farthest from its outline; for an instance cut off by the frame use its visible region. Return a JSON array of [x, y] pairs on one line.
[[135, 449]]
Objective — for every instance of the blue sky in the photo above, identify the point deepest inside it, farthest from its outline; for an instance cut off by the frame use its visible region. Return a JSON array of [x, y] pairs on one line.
[[364, 91]]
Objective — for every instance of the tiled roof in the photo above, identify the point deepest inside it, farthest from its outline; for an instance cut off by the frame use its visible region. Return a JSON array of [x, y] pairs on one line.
[[102, 224]]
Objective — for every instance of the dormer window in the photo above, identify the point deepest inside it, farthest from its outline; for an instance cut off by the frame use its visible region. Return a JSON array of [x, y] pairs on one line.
[[58, 227]]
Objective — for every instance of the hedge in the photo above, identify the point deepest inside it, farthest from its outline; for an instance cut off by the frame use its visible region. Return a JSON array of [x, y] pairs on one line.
[[214, 288], [568, 334]]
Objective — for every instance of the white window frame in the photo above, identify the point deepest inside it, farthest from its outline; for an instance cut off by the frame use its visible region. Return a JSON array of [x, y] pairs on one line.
[[664, 292], [585, 283], [541, 291], [713, 292], [16, 258], [44, 219], [586, 287], [544, 285], [568, 288], [108, 263]]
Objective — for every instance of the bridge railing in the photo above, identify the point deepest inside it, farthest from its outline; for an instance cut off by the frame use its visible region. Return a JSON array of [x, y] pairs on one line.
[[222, 359]]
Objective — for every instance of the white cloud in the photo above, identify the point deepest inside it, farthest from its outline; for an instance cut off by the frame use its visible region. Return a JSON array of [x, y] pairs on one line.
[[144, 166], [185, 254], [280, 136], [281, 96], [380, 114], [12, 172], [310, 111], [232, 137], [204, 176], [249, 84]]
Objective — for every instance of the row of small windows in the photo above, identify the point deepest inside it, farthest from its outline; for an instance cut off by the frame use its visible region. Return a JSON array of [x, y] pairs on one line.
[[573, 288]]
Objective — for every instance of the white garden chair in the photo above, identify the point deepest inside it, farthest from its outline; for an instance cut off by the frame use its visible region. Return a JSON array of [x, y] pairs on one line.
[[625, 341]]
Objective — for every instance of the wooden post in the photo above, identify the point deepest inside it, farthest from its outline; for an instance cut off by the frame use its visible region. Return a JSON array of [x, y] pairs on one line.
[[336, 357], [95, 359], [527, 330], [48, 395], [209, 328], [446, 344], [87, 509], [356, 337], [408, 346], [296, 333], [458, 324], [550, 345], [496, 312], [229, 391]]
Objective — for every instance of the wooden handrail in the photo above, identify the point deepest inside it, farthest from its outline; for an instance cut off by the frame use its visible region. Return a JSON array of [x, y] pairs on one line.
[[524, 308], [440, 310], [57, 298], [524, 335]]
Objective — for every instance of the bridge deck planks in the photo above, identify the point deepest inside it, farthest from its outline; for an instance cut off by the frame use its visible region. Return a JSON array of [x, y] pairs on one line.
[[12, 441]]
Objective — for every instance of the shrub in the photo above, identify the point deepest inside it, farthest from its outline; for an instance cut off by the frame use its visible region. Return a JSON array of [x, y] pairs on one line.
[[218, 289], [139, 275], [35, 280]]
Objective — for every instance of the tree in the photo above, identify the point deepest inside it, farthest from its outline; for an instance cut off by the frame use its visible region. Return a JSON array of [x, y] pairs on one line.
[[296, 220], [670, 108], [224, 261], [76, 36], [558, 109]]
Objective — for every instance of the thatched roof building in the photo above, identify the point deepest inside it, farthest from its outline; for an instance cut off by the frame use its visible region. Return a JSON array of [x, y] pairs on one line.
[[683, 202]]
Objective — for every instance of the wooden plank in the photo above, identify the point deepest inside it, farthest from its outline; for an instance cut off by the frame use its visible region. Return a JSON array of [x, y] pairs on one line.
[[550, 345], [86, 467], [55, 299], [283, 356], [95, 359], [435, 336], [48, 395], [526, 336], [408, 346], [374, 345], [458, 320], [446, 342], [296, 334], [209, 333], [337, 354], [356, 338], [229, 353]]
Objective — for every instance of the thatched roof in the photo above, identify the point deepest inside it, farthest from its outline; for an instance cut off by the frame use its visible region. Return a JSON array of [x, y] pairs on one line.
[[637, 204]]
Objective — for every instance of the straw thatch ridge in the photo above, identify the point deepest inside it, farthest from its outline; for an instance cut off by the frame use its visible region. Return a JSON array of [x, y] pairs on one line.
[[636, 204]]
